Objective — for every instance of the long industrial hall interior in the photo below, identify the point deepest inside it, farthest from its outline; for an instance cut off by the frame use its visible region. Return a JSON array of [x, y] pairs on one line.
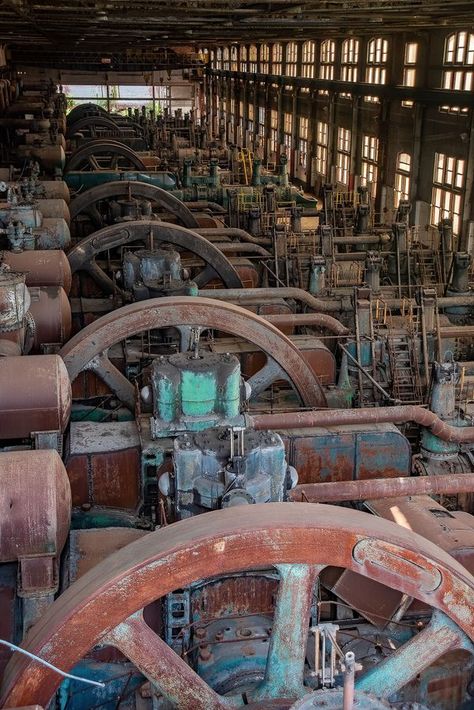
[[237, 354]]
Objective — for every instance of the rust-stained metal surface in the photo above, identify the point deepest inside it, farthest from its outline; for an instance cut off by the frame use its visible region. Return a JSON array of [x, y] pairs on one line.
[[422, 515], [35, 395], [221, 542], [430, 519], [337, 492], [376, 415], [48, 267], [237, 595], [208, 313], [347, 453], [103, 464], [51, 312], [89, 547], [35, 510], [315, 320]]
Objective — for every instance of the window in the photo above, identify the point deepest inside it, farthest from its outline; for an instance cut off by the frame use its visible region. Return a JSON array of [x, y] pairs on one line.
[[288, 131], [369, 167], [308, 59], [409, 68], [273, 131], [277, 55], [234, 58], [253, 59], [261, 121], [264, 58], [349, 60], [448, 187], [243, 59], [303, 141], [226, 59], [402, 178], [218, 58], [343, 155], [326, 61], [291, 59], [458, 66], [322, 132], [377, 56], [251, 118]]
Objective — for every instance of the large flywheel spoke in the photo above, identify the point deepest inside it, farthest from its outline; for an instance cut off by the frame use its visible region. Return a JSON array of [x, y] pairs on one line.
[[114, 379], [204, 276], [440, 636], [163, 667], [284, 671], [266, 376], [101, 278]]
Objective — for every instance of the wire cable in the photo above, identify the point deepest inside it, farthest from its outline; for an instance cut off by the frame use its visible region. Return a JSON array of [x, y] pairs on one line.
[[50, 665]]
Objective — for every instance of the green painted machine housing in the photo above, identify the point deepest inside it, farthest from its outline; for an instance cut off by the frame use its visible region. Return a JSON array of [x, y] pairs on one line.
[[192, 392]]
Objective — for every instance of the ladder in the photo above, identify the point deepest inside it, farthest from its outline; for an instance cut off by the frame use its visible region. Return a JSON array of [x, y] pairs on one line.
[[245, 166], [404, 366], [429, 270]]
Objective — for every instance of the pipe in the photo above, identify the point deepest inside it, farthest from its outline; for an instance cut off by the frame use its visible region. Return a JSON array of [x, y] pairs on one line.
[[317, 320], [206, 205], [363, 239], [340, 491], [233, 248], [232, 233], [258, 295], [375, 415]]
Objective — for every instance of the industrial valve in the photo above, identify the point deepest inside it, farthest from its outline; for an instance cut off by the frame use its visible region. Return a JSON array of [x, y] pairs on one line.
[[157, 272]]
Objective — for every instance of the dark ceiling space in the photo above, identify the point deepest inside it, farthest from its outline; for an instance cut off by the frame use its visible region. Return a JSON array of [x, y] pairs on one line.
[[82, 33]]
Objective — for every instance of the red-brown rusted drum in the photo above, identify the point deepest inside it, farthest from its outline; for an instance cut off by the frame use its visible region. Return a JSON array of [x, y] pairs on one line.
[[56, 189], [35, 505], [184, 310], [51, 312], [54, 207], [218, 543], [35, 395], [44, 267]]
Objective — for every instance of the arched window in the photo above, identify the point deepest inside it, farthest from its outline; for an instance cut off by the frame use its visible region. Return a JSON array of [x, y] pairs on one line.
[[219, 58], [402, 178], [349, 59], [291, 57], [264, 58], [327, 57], [376, 69], [277, 54], [459, 61], [243, 58], [308, 58], [234, 58], [226, 59], [253, 58]]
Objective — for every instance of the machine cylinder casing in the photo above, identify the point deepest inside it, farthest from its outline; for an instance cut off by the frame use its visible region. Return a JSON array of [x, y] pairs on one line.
[[36, 395]]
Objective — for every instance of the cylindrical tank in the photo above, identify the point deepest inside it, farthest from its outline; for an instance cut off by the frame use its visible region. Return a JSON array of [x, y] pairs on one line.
[[54, 233], [54, 207], [35, 505], [14, 300], [47, 267], [50, 157], [56, 189], [35, 395], [51, 313]]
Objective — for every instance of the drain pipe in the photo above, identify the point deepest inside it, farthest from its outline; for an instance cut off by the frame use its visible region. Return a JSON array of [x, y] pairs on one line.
[[340, 491], [375, 415]]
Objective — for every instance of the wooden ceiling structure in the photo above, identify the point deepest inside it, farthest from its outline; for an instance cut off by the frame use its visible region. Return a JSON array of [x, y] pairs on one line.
[[78, 32]]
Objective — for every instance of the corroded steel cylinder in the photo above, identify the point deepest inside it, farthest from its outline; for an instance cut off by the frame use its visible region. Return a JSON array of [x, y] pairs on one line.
[[48, 267], [50, 157], [51, 313], [56, 189], [14, 300], [36, 395], [54, 207], [35, 505]]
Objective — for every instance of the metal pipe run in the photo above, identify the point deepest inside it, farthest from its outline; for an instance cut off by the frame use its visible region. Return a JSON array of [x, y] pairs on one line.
[[375, 415], [316, 320], [247, 248], [258, 295], [232, 233], [340, 491]]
